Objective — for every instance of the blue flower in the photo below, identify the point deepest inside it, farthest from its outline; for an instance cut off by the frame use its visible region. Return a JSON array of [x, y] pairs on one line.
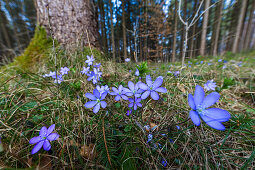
[[224, 67], [97, 65], [212, 116], [129, 112], [102, 89], [119, 93], [43, 139], [58, 78], [209, 64], [90, 60], [85, 70], [97, 100], [152, 88], [135, 103], [164, 162], [176, 73], [137, 72], [220, 60], [210, 85], [127, 60], [150, 136], [133, 89], [51, 74], [201, 62], [64, 70], [225, 61]]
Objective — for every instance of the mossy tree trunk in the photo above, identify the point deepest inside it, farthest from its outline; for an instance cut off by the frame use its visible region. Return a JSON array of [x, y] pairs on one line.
[[71, 23]]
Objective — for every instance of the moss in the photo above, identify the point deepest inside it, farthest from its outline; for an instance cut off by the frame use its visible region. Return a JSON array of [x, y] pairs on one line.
[[36, 52]]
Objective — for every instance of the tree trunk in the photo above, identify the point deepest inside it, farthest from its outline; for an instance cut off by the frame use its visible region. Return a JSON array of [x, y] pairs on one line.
[[175, 31], [102, 23], [248, 35], [183, 29], [112, 32], [239, 27], [124, 30], [216, 29], [204, 29], [69, 22], [193, 32]]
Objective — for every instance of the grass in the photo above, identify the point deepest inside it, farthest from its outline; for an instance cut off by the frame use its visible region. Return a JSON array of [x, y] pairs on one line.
[[112, 140]]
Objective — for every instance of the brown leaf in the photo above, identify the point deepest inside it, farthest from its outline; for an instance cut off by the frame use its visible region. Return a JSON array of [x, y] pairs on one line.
[[45, 163], [153, 126], [181, 87], [88, 152]]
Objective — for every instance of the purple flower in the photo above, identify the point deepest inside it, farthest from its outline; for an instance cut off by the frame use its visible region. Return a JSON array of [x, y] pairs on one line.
[[64, 70], [137, 72], [164, 162], [119, 93], [58, 78], [135, 103], [129, 112], [178, 127], [51, 74], [94, 75], [90, 60], [85, 70], [43, 139], [201, 62], [176, 73], [220, 60], [97, 65], [97, 100], [150, 136], [127, 60], [209, 64], [133, 89], [102, 89], [189, 62], [212, 116], [224, 67], [152, 88], [210, 85]]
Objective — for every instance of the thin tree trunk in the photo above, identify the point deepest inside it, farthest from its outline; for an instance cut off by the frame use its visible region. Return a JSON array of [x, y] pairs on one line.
[[175, 31], [102, 23], [204, 29], [112, 32], [249, 28], [124, 30], [239, 27], [216, 30], [192, 41], [183, 29]]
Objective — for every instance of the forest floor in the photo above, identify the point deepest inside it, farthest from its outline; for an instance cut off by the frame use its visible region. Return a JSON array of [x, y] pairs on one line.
[[157, 135]]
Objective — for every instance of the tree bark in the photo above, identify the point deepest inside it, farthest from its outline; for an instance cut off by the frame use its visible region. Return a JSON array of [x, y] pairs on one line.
[[102, 24], [183, 29], [124, 30], [204, 29], [216, 29], [175, 31], [249, 28], [69, 22], [112, 32], [239, 27]]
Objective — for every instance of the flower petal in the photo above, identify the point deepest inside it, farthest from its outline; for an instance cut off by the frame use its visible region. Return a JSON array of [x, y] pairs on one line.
[[53, 136], [103, 104], [117, 98], [50, 129], [158, 82], [90, 96], [135, 107], [213, 123], [143, 86], [194, 117], [131, 85], [148, 80], [35, 140], [103, 95], [115, 90], [154, 95], [37, 147], [90, 104], [46, 145], [96, 93], [210, 99], [218, 114], [191, 102], [131, 105], [161, 89], [43, 132], [139, 104], [124, 97], [199, 95], [96, 108], [145, 94]]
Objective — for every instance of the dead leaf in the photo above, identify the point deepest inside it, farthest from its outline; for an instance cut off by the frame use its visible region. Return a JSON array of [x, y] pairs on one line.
[[153, 126], [45, 163], [88, 152], [181, 87]]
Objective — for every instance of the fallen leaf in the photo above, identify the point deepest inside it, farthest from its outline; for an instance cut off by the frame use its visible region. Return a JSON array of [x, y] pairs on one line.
[[88, 152]]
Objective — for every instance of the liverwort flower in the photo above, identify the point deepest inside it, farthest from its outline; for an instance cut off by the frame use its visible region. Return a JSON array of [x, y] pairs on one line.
[[85, 70], [137, 72], [164, 162], [224, 67], [93, 77], [97, 65], [102, 89], [201, 62], [133, 89], [129, 112], [150, 136], [97, 100], [212, 116], [135, 103], [43, 139], [152, 88], [119, 93], [220, 60], [127, 60], [64, 70], [176, 73], [90, 60], [58, 78], [210, 85], [209, 64], [51, 74]]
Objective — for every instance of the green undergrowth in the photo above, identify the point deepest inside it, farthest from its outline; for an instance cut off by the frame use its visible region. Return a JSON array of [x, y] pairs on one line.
[[116, 141]]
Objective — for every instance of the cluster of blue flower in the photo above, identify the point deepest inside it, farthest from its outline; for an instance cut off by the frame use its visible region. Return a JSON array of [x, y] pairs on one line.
[[135, 93], [92, 71], [58, 77]]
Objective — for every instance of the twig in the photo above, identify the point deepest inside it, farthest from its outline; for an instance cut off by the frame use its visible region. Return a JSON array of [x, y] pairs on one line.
[[108, 156]]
